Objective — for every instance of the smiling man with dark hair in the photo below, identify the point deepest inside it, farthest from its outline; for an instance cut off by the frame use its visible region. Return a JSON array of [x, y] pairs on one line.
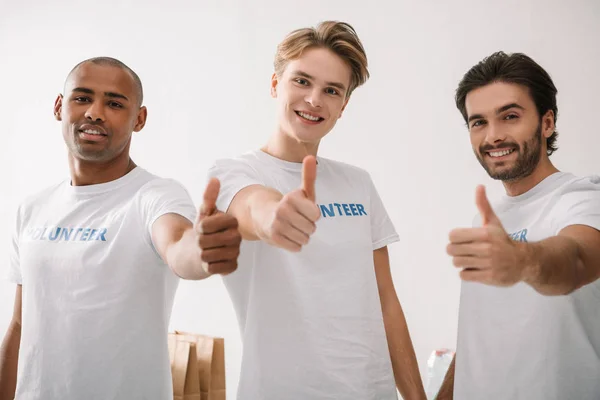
[[96, 258]]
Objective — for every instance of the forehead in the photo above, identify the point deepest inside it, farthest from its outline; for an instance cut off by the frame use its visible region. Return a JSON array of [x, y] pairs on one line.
[[323, 65], [487, 99], [101, 78]]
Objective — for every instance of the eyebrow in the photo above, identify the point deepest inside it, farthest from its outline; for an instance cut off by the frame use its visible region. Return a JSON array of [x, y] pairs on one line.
[[498, 111], [107, 94], [334, 84]]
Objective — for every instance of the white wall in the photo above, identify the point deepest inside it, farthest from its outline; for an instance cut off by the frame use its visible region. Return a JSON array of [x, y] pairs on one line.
[[206, 68]]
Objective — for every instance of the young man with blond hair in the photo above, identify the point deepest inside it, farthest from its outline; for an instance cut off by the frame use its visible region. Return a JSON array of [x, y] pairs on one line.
[[317, 308]]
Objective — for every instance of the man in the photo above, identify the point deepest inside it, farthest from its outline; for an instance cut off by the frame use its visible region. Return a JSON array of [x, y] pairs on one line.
[[90, 255], [529, 325], [314, 278]]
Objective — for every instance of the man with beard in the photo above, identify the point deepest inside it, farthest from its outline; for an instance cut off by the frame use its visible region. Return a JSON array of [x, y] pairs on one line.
[[96, 258], [529, 324]]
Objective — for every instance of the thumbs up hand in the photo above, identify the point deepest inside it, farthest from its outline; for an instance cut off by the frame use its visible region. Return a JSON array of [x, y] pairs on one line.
[[292, 221], [217, 234], [487, 254]]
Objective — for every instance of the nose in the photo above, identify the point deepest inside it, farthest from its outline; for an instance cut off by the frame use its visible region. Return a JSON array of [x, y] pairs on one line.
[[494, 134], [314, 98], [95, 112]]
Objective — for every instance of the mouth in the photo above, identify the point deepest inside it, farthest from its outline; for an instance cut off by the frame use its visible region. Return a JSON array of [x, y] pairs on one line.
[[309, 117], [91, 133], [499, 154]]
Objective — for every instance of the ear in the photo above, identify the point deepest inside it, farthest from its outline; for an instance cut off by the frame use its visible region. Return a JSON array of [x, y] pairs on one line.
[[274, 82], [548, 126], [58, 107], [344, 107], [140, 121]]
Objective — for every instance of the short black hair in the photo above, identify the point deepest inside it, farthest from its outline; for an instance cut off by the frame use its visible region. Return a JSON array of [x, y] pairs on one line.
[[515, 68], [119, 64]]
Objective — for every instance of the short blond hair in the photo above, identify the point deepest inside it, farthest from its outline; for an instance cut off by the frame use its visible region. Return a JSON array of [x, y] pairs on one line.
[[339, 37]]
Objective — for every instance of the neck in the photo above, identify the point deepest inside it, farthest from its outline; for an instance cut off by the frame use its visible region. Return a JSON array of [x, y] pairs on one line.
[[544, 169], [85, 173], [287, 148]]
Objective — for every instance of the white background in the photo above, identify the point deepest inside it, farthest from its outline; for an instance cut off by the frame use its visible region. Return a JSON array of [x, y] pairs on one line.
[[206, 67]]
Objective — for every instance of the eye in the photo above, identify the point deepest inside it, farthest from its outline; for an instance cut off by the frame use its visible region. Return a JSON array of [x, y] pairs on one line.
[[511, 116], [114, 104], [477, 123], [82, 99], [331, 91], [301, 81]]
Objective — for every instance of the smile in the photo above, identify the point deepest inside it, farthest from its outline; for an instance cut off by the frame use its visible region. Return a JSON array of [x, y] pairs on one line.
[[92, 132], [500, 153], [309, 117]]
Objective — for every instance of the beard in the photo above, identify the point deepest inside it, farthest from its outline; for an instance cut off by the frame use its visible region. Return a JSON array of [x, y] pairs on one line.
[[529, 155]]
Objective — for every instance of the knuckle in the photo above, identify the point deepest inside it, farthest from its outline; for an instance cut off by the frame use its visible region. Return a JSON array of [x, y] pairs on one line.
[[204, 256], [487, 249], [202, 225], [233, 266], [487, 233], [277, 228], [233, 221]]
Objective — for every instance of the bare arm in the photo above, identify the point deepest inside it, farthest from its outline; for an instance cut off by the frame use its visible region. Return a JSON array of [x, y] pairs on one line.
[[211, 246], [554, 266], [251, 206], [446, 391], [285, 221], [563, 263], [402, 353], [9, 352], [194, 255]]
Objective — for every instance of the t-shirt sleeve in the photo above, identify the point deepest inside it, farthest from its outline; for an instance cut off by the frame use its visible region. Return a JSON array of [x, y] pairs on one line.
[[164, 196], [234, 175], [13, 274], [579, 205], [383, 232]]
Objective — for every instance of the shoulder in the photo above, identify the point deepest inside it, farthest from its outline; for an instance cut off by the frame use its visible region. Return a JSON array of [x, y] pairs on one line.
[[589, 183], [345, 168], [250, 158], [155, 186], [41, 197]]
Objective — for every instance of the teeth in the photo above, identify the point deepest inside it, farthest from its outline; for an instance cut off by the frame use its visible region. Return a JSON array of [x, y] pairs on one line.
[[308, 117], [92, 132], [500, 153]]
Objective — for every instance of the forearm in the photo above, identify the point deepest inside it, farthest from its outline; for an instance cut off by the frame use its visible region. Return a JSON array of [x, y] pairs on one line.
[[446, 391], [9, 356], [555, 266], [184, 257], [404, 361], [256, 211]]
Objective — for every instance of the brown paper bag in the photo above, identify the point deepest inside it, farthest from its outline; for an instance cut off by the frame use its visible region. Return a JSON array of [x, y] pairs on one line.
[[210, 354], [184, 369]]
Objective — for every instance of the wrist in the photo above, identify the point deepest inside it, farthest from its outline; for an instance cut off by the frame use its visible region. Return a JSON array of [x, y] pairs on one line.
[[528, 258], [262, 213]]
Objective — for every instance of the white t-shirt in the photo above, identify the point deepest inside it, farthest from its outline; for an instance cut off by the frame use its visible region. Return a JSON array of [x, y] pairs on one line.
[[514, 343], [311, 322], [97, 297]]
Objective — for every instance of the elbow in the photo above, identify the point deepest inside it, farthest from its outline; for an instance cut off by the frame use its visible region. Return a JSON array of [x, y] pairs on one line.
[[15, 325]]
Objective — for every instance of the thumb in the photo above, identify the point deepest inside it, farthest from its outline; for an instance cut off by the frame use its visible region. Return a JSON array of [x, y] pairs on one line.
[[483, 205], [309, 176], [209, 200]]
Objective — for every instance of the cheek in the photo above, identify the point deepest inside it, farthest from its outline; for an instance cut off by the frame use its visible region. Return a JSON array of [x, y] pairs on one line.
[[475, 141]]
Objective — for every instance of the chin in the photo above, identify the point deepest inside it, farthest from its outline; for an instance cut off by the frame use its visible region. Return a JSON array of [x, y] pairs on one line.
[[307, 138]]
